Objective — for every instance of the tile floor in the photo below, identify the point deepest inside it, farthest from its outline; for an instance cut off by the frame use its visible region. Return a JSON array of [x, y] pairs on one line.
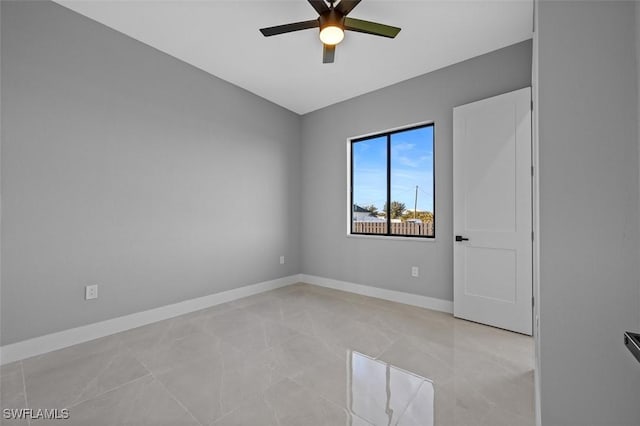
[[300, 355]]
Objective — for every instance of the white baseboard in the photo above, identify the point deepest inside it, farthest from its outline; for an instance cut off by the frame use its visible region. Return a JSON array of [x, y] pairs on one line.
[[62, 339], [381, 293]]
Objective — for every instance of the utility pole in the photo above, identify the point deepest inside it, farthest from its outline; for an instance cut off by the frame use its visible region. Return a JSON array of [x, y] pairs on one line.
[[415, 205]]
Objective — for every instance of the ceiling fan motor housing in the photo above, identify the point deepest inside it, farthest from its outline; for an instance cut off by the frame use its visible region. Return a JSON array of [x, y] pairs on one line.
[[331, 18]]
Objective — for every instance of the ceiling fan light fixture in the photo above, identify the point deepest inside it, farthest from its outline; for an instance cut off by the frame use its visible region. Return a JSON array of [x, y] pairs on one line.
[[331, 35], [333, 21]]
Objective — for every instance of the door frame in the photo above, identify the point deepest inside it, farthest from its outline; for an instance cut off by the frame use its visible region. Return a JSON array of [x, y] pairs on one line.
[[535, 207]]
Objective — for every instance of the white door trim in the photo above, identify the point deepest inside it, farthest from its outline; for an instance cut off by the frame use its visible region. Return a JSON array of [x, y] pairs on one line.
[[535, 208]]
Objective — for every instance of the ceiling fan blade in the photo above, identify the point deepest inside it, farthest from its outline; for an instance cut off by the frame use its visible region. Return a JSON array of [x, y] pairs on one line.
[[288, 28], [319, 5], [328, 53], [369, 27], [346, 6]]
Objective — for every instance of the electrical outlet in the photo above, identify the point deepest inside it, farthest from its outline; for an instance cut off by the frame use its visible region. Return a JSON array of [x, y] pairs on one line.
[[282, 260], [91, 292], [415, 271]]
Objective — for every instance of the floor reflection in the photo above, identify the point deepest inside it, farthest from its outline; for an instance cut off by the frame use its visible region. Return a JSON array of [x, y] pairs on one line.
[[384, 395]]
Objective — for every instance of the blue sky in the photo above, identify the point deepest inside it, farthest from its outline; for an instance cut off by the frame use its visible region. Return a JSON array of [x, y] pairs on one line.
[[411, 165]]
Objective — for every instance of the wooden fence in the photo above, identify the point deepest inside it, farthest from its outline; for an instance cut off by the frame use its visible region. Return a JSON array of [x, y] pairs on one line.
[[397, 228]]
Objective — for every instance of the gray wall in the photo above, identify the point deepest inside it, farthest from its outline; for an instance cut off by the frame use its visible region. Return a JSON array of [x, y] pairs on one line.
[[588, 213], [328, 252], [125, 167]]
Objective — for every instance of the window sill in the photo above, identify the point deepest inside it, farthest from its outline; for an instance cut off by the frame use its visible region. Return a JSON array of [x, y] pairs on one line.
[[393, 238]]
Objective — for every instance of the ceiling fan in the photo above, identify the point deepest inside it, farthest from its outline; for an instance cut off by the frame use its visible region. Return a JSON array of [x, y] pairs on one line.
[[333, 21]]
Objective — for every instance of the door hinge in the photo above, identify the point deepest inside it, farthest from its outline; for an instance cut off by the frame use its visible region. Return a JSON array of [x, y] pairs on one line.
[[531, 235], [533, 302], [531, 104], [532, 171]]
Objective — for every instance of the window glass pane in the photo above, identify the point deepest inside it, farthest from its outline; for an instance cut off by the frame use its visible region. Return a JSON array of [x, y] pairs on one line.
[[412, 182], [369, 182]]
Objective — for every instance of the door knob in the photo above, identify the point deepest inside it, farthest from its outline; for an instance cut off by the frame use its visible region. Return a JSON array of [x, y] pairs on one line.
[[461, 238]]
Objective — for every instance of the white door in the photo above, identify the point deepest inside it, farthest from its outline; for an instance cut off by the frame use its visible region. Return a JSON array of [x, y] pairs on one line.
[[492, 209]]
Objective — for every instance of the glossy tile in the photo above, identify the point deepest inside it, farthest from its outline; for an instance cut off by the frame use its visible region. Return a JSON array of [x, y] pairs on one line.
[[199, 387], [214, 386], [328, 378], [169, 353], [254, 411], [143, 402], [286, 404], [66, 355], [294, 405], [370, 390], [408, 356], [12, 393], [235, 321], [420, 410], [499, 416], [281, 308], [161, 334], [512, 392], [59, 382], [299, 355], [265, 334], [361, 337], [460, 406], [379, 392], [313, 322], [14, 367]]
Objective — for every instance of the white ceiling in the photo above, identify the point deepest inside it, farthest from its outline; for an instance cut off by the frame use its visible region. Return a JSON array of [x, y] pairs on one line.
[[222, 38]]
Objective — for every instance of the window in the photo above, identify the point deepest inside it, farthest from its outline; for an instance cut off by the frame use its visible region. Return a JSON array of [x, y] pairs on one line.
[[392, 187]]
